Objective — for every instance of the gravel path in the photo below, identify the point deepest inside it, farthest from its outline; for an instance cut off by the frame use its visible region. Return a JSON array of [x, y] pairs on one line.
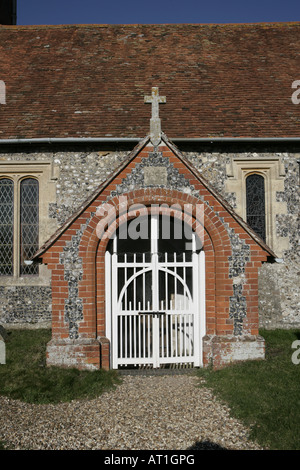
[[143, 413]]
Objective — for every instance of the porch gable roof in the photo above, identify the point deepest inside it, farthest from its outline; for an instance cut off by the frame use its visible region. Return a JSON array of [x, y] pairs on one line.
[[51, 241]]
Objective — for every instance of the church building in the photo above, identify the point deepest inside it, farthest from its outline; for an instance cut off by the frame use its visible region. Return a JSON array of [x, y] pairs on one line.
[[149, 190]]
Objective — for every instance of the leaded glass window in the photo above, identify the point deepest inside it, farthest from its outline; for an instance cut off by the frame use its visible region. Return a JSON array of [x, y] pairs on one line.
[[29, 224], [6, 226], [255, 204]]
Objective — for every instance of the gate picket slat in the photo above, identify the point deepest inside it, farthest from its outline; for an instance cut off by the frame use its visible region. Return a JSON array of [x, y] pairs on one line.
[[125, 279], [176, 339], [188, 350], [126, 335], [120, 334], [179, 333], [161, 329], [134, 282], [138, 319], [144, 285], [167, 334], [175, 282], [184, 286], [144, 330], [149, 326]]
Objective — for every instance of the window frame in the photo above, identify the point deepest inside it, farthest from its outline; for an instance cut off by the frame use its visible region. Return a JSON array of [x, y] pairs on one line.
[[273, 170], [46, 173], [22, 245], [17, 181], [266, 222], [11, 223]]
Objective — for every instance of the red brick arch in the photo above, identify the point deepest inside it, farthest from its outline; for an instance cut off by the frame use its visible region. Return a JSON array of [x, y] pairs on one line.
[[217, 248]]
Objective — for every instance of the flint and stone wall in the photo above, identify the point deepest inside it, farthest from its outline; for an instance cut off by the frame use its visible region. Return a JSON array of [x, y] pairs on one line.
[[78, 171], [279, 283]]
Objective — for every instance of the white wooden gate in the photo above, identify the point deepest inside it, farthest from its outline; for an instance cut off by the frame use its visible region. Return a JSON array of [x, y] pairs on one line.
[[155, 306]]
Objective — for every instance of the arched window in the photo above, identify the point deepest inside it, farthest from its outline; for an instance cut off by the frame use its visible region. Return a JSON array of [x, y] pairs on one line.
[[29, 224], [6, 226], [255, 204]]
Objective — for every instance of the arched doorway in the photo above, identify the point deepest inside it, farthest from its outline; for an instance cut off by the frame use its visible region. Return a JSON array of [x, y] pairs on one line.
[[155, 294]]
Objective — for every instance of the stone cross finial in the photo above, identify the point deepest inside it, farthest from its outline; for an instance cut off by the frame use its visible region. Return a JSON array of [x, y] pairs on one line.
[[155, 127]]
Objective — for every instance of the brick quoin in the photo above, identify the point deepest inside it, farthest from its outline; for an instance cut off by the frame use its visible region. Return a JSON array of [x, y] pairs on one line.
[[95, 348]]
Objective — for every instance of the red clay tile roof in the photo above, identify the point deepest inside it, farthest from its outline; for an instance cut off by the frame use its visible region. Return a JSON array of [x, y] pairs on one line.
[[90, 80]]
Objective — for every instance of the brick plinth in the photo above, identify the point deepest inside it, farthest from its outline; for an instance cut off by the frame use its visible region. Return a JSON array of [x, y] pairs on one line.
[[81, 353], [220, 351]]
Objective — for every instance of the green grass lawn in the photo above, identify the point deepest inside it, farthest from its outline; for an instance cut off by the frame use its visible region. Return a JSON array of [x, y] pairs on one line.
[[265, 394], [26, 377]]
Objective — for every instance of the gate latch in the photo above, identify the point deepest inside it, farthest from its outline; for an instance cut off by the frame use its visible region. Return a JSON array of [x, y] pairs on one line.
[[152, 312]]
